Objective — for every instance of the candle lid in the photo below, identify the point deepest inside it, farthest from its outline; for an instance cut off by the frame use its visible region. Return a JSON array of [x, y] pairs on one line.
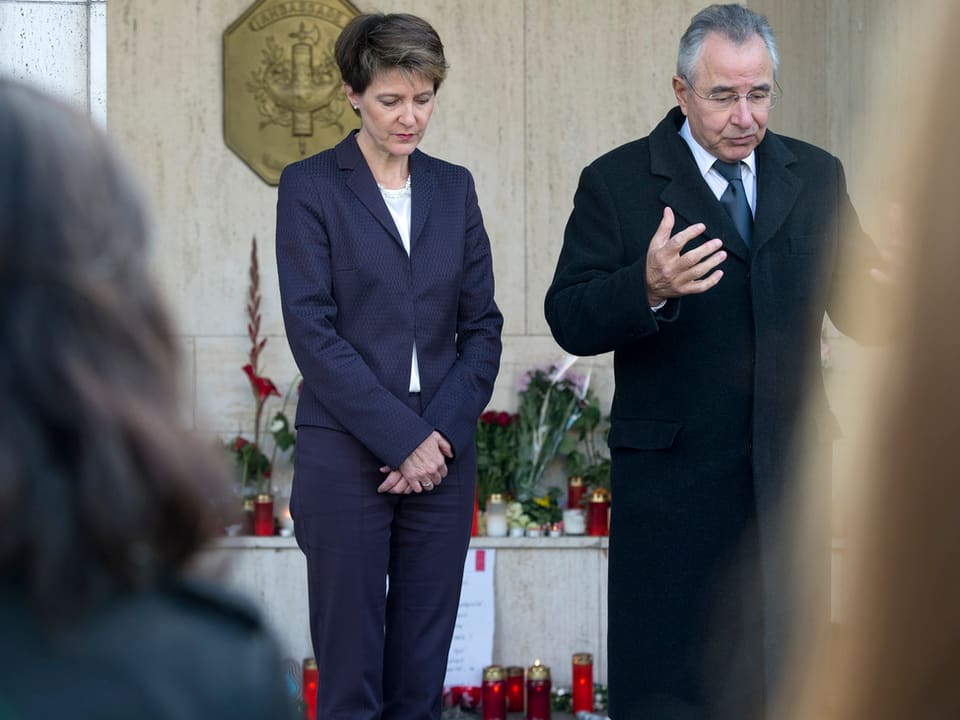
[[493, 673], [495, 498], [576, 481], [583, 659], [600, 495], [310, 664], [538, 671], [264, 498], [514, 671]]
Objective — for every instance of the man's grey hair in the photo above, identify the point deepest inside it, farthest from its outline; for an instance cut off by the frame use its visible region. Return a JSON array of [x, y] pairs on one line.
[[735, 22]]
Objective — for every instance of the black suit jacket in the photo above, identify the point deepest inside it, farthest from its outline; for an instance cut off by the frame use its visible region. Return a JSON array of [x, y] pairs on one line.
[[709, 389]]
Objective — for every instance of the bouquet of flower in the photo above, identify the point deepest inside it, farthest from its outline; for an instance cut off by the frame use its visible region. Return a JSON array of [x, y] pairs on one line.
[[496, 454], [253, 463], [550, 402]]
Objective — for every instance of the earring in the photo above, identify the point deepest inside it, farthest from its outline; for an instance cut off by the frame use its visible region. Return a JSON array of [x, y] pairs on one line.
[[356, 107]]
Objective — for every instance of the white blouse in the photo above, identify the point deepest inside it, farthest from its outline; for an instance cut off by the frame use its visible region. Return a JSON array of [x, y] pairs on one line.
[[399, 203]]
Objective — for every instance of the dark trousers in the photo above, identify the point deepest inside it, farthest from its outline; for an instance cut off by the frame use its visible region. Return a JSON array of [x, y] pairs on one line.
[[382, 653]]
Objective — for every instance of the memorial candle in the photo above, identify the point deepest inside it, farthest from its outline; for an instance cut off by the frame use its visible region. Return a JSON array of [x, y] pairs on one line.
[[311, 676], [575, 491], [515, 688], [583, 682], [494, 693], [496, 516], [598, 513], [538, 692], [263, 515]]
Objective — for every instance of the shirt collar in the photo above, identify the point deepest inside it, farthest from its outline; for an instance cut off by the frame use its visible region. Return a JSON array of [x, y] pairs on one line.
[[704, 159]]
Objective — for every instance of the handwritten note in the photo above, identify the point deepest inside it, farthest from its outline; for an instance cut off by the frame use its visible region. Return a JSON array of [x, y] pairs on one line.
[[472, 646]]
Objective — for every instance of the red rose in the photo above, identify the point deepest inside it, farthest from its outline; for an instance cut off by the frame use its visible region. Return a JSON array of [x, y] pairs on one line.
[[488, 418], [503, 419], [240, 443]]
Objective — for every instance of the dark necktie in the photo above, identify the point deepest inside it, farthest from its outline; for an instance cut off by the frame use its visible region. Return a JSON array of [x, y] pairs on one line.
[[734, 199]]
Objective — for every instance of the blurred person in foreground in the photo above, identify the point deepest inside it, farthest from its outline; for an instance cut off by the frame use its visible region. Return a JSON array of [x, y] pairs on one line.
[[386, 285], [896, 648], [704, 256], [104, 498]]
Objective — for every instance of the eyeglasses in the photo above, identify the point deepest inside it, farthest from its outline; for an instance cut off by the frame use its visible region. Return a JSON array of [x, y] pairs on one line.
[[756, 99]]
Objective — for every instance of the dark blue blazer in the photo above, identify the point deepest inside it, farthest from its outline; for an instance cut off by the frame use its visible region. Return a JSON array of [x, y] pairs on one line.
[[354, 302]]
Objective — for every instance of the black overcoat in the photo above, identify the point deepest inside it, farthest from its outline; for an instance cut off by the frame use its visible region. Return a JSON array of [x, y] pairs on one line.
[[708, 391]]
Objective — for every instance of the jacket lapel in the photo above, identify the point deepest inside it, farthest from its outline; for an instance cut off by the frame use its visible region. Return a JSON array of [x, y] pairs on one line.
[[777, 188], [424, 185], [361, 181], [687, 193]]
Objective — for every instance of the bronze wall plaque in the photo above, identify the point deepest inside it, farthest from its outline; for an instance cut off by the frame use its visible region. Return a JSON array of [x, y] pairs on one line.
[[282, 93]]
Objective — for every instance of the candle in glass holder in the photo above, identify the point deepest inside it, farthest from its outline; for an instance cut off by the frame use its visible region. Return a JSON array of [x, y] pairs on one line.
[[247, 517], [263, 515], [515, 688], [496, 516], [538, 692], [598, 513], [493, 700], [311, 677], [574, 521], [583, 682], [575, 491]]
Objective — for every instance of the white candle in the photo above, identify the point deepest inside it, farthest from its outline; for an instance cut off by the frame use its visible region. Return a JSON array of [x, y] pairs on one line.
[[496, 525], [574, 522]]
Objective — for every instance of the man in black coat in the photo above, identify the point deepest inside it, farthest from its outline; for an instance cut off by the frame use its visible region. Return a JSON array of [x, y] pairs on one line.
[[714, 317]]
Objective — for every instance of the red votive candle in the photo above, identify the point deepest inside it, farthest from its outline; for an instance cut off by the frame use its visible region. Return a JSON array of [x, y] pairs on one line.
[[311, 676], [575, 491], [263, 515], [598, 513], [493, 693], [538, 692], [582, 682], [515, 688]]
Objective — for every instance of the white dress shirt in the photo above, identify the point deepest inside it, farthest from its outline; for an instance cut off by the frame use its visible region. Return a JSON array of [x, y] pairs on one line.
[[717, 182]]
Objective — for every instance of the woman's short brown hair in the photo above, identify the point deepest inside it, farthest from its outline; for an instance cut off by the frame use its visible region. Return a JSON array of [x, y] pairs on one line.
[[375, 43]]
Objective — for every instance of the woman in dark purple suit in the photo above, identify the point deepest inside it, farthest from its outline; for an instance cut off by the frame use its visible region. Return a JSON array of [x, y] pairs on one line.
[[387, 292]]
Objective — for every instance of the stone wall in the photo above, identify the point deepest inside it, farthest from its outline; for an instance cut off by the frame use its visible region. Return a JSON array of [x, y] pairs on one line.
[[61, 46]]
